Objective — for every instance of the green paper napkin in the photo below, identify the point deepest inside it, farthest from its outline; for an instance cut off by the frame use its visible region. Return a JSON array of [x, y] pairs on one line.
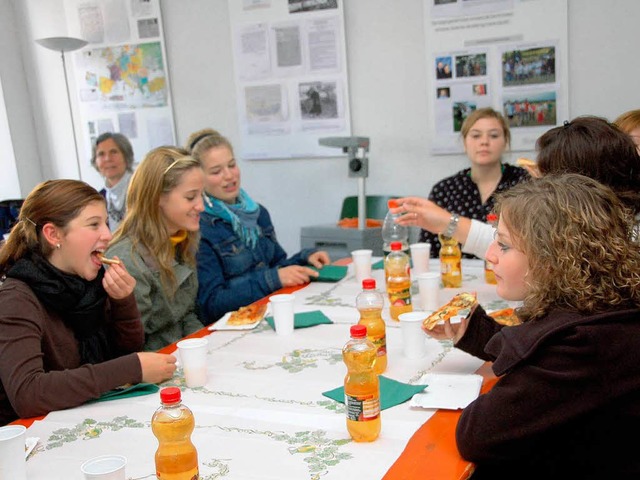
[[392, 392], [330, 273], [305, 319], [379, 265], [129, 391]]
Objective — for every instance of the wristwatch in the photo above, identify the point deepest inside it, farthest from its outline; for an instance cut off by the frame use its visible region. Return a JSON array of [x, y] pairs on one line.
[[453, 224]]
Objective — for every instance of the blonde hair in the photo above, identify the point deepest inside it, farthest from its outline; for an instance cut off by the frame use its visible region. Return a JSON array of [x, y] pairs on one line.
[[200, 142], [628, 121], [54, 201], [160, 172], [576, 234], [481, 113]]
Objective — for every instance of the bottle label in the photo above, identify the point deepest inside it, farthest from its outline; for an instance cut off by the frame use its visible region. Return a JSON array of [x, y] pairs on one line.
[[400, 297], [448, 267], [362, 408], [381, 344]]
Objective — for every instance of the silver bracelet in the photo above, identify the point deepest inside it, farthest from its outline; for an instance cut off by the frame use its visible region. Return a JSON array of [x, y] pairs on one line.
[[453, 224]]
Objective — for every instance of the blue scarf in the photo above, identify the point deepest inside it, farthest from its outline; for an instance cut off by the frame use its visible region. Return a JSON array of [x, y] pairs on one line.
[[242, 215]]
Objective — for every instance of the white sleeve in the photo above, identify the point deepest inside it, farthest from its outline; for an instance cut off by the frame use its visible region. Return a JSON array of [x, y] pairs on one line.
[[479, 238]]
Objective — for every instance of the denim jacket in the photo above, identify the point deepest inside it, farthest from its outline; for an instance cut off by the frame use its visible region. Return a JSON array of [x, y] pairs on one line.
[[231, 274]]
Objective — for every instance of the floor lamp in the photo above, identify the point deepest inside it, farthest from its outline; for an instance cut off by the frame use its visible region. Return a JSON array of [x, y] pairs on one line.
[[62, 45]]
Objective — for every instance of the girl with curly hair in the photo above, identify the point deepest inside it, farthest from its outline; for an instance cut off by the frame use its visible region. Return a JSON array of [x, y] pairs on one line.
[[569, 381]]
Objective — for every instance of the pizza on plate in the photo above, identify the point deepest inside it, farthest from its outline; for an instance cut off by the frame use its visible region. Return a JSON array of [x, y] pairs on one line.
[[462, 301], [247, 315], [506, 316]]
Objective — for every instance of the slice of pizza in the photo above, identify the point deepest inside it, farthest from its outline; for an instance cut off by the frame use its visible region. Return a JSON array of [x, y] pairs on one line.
[[247, 315], [462, 301], [506, 316]]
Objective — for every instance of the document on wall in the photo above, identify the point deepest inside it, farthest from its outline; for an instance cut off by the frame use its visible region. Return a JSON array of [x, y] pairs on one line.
[[505, 54], [121, 77], [291, 77]]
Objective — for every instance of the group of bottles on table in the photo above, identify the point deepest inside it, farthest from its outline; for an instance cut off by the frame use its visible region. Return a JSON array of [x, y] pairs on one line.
[[172, 424]]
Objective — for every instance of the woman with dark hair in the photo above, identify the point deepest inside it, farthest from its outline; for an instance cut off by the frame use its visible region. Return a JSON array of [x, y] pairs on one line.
[[566, 400], [587, 145], [69, 329], [112, 157], [158, 240]]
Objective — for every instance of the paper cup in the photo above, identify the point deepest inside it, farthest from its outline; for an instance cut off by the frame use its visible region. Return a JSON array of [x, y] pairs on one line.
[[362, 264], [13, 464], [104, 467], [282, 308], [193, 357], [420, 253], [429, 289], [413, 338]]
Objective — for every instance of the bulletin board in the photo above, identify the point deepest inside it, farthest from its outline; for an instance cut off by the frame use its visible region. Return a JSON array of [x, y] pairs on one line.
[[291, 76], [510, 55], [121, 76]]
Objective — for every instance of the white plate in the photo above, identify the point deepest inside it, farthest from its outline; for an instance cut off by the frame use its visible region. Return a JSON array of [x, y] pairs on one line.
[[447, 391], [222, 323]]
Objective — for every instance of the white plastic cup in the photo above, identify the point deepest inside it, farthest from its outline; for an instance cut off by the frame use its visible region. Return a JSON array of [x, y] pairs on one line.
[[13, 465], [105, 467], [413, 337], [420, 253], [429, 288], [282, 308], [362, 264], [193, 356]]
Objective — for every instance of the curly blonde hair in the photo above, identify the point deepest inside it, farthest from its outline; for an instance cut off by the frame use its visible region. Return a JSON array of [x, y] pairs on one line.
[[576, 234]]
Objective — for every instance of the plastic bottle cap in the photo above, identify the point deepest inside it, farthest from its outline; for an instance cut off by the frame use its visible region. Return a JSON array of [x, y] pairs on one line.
[[396, 245], [369, 283], [392, 203], [358, 331], [170, 395]]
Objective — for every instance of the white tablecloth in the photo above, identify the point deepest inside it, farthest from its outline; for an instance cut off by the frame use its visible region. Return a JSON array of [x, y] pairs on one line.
[[262, 414]]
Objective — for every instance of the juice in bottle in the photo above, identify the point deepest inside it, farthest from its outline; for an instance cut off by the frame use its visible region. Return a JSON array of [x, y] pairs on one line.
[[172, 424], [361, 387], [450, 262], [396, 266], [370, 303]]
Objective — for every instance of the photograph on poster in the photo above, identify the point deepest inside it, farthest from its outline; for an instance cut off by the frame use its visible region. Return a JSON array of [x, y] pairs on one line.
[[443, 67], [479, 89], [529, 67], [471, 65], [461, 111], [318, 100], [531, 109], [265, 104], [444, 92], [297, 6]]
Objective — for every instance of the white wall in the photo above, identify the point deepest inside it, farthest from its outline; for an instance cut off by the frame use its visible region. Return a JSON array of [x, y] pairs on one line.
[[389, 103]]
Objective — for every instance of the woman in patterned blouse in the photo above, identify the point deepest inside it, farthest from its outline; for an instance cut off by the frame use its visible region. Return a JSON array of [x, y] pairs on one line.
[[470, 192]]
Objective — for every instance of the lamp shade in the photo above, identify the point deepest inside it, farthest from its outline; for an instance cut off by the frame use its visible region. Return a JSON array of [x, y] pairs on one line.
[[62, 44]]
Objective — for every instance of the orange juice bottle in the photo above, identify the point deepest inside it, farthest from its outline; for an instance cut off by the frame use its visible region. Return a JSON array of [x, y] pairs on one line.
[[369, 303], [396, 266], [489, 276], [172, 424], [450, 262], [361, 387]]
